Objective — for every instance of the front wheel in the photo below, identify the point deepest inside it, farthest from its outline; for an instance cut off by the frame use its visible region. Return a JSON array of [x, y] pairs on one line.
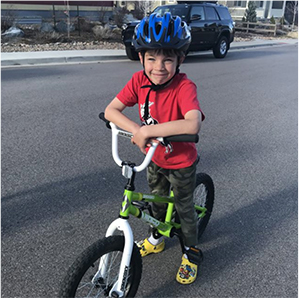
[[78, 280], [203, 197], [221, 48]]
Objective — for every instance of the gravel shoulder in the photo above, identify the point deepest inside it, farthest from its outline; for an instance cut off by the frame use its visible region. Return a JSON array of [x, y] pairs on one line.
[[88, 42]]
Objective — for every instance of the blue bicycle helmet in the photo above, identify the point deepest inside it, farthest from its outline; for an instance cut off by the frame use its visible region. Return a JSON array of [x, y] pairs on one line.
[[161, 32]]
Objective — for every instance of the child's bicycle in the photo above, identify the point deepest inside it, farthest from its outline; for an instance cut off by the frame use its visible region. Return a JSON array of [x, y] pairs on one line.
[[112, 266]]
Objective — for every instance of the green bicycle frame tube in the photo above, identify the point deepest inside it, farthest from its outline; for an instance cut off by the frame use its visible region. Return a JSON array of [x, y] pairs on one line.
[[163, 228], [127, 209]]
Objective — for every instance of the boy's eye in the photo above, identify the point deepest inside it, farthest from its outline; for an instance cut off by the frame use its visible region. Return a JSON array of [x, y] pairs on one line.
[[166, 60]]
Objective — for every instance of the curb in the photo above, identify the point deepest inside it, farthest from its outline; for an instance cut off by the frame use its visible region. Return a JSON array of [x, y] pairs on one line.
[[58, 60], [262, 45], [64, 57]]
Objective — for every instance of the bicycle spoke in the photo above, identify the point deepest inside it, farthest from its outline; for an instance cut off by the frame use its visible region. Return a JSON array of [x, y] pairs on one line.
[[110, 281], [102, 288], [200, 195], [86, 279]]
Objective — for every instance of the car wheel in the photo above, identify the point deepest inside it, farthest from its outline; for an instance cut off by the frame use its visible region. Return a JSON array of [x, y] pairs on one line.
[[131, 53], [221, 48]]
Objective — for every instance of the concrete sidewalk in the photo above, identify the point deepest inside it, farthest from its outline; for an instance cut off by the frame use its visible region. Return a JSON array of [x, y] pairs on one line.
[[75, 56]]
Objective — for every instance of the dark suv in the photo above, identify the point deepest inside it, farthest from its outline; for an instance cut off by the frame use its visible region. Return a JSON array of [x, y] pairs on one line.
[[212, 27]]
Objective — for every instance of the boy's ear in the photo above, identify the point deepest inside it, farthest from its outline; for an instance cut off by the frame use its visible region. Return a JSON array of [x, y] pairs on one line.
[[182, 58], [140, 58]]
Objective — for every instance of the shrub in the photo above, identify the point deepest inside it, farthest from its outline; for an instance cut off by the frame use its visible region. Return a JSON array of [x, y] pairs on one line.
[[272, 20], [7, 20], [119, 16], [250, 12]]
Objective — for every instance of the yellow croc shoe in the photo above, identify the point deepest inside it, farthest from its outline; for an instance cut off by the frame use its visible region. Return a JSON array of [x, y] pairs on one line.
[[146, 248], [187, 272]]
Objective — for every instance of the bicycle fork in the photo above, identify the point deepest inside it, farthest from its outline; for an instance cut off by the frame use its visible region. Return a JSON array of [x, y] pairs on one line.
[[118, 288]]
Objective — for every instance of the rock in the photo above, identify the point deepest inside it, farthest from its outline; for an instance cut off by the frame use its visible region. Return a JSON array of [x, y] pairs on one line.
[[13, 32], [117, 31], [47, 27], [110, 26], [63, 27], [102, 32], [84, 25]]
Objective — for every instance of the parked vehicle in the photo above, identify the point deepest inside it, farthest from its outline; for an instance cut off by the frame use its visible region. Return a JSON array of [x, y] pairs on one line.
[[212, 27]]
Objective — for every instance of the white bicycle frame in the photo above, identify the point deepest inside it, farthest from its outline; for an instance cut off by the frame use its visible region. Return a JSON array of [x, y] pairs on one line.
[[121, 224]]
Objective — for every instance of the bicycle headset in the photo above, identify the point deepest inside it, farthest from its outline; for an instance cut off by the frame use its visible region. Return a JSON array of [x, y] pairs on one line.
[[160, 32]]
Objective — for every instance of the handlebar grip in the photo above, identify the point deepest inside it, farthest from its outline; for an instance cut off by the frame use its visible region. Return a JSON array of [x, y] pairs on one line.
[[102, 117], [183, 138]]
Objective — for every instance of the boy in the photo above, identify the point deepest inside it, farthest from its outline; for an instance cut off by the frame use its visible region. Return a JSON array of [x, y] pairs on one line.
[[168, 105]]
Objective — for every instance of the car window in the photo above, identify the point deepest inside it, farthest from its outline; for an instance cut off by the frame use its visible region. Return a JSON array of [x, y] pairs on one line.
[[224, 13], [211, 14], [179, 10], [197, 11]]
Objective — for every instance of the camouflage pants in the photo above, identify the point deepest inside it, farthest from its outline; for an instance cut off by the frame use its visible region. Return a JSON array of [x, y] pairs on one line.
[[183, 184]]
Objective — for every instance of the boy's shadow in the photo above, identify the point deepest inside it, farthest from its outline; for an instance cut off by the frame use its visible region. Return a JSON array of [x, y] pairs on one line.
[[238, 235]]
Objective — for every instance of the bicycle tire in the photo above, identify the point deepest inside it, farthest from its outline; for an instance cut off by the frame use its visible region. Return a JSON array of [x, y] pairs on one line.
[[84, 268], [204, 197]]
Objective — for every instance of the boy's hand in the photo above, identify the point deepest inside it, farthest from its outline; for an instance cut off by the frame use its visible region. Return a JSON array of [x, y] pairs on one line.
[[141, 140]]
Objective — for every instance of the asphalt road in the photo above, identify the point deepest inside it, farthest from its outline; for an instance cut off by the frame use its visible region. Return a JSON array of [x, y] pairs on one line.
[[61, 189]]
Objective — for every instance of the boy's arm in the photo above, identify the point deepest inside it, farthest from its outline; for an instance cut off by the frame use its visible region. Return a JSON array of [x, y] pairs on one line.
[[189, 125], [113, 113]]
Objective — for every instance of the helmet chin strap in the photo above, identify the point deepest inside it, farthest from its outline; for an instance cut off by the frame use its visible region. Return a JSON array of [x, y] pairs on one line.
[[154, 87]]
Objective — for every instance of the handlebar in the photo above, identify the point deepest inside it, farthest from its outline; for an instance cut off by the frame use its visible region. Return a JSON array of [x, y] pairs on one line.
[[118, 132]]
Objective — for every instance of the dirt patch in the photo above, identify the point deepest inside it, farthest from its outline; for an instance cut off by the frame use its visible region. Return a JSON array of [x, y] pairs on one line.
[[34, 40], [243, 36]]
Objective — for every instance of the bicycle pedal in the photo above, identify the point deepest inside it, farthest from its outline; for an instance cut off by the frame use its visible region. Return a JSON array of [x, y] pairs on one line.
[[194, 255], [114, 295]]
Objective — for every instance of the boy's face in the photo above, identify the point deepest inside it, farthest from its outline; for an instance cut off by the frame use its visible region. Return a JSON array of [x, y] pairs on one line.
[[158, 67]]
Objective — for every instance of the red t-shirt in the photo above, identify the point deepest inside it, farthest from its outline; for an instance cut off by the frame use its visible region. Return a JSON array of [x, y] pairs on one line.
[[168, 104]]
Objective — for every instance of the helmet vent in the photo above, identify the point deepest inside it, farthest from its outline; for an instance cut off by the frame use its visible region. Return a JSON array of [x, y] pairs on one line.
[[146, 30], [158, 28], [170, 29]]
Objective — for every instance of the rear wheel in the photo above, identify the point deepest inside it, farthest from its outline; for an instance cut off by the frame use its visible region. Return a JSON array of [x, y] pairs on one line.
[[203, 197], [131, 53], [78, 280], [221, 48]]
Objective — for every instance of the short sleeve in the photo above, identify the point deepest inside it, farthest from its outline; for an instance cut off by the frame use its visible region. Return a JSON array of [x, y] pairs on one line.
[[128, 95], [188, 98]]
